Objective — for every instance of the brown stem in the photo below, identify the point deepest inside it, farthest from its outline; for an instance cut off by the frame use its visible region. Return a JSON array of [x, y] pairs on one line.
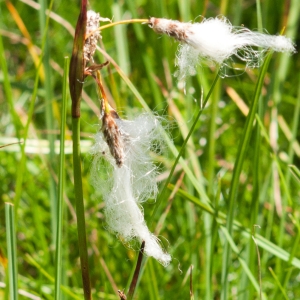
[[77, 64], [136, 272]]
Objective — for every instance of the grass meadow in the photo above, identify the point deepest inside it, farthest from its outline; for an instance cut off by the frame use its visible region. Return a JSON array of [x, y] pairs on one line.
[[228, 214]]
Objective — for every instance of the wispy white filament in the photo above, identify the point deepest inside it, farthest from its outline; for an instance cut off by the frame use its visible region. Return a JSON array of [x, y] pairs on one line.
[[217, 40], [124, 188]]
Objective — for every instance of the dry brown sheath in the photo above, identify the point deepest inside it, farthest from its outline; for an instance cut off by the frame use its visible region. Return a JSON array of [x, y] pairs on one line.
[[96, 67]]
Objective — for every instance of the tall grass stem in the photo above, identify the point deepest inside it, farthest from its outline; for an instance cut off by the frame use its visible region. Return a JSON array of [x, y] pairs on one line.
[[241, 154], [61, 184], [161, 195], [11, 250], [49, 118]]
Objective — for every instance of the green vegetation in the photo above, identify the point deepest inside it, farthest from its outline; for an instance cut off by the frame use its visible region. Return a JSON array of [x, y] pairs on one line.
[[231, 207]]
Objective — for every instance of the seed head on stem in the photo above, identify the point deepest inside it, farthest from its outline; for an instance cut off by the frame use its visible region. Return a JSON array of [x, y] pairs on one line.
[[110, 128], [217, 40]]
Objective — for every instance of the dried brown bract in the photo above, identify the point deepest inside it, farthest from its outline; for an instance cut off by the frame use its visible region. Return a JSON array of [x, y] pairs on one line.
[[112, 135], [95, 67], [122, 295]]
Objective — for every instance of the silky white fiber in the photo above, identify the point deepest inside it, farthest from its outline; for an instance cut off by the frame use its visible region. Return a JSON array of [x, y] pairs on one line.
[[216, 40], [124, 188]]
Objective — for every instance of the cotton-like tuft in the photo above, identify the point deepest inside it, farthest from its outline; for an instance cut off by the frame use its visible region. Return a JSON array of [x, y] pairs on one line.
[[125, 187], [217, 40]]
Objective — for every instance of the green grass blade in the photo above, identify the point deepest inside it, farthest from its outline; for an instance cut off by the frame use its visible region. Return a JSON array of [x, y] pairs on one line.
[[243, 146], [279, 79], [221, 219], [152, 282], [12, 251], [210, 167], [61, 183], [161, 196], [294, 130], [49, 118], [296, 172], [121, 40], [43, 272], [22, 163], [295, 247], [242, 261], [259, 16], [190, 223], [278, 284], [8, 90], [223, 7], [148, 62], [251, 249], [185, 8]]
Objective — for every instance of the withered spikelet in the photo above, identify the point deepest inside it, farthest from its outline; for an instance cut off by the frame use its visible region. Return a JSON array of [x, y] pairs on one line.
[[112, 136], [92, 35], [216, 40], [174, 29]]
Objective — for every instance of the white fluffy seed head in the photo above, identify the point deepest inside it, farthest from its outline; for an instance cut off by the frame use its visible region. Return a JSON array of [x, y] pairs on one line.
[[217, 40], [125, 187], [139, 137]]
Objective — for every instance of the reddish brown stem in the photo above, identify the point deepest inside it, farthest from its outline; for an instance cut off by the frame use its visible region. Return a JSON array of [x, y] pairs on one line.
[[136, 272], [77, 64]]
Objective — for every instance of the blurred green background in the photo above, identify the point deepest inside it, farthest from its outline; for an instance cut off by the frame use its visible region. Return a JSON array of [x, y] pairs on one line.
[[268, 192]]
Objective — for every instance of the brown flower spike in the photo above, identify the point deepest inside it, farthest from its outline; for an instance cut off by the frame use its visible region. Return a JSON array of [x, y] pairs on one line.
[[112, 135], [85, 42], [110, 128]]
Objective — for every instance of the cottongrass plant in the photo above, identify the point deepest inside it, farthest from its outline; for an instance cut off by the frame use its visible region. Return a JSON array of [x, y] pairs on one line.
[[131, 181], [122, 150], [125, 145], [216, 40], [122, 169]]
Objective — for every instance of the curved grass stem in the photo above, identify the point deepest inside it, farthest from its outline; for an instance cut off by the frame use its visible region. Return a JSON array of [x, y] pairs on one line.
[[160, 197], [123, 22]]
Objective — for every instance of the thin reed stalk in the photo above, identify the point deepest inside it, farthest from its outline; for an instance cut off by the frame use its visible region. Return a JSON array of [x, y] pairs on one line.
[[61, 185]]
